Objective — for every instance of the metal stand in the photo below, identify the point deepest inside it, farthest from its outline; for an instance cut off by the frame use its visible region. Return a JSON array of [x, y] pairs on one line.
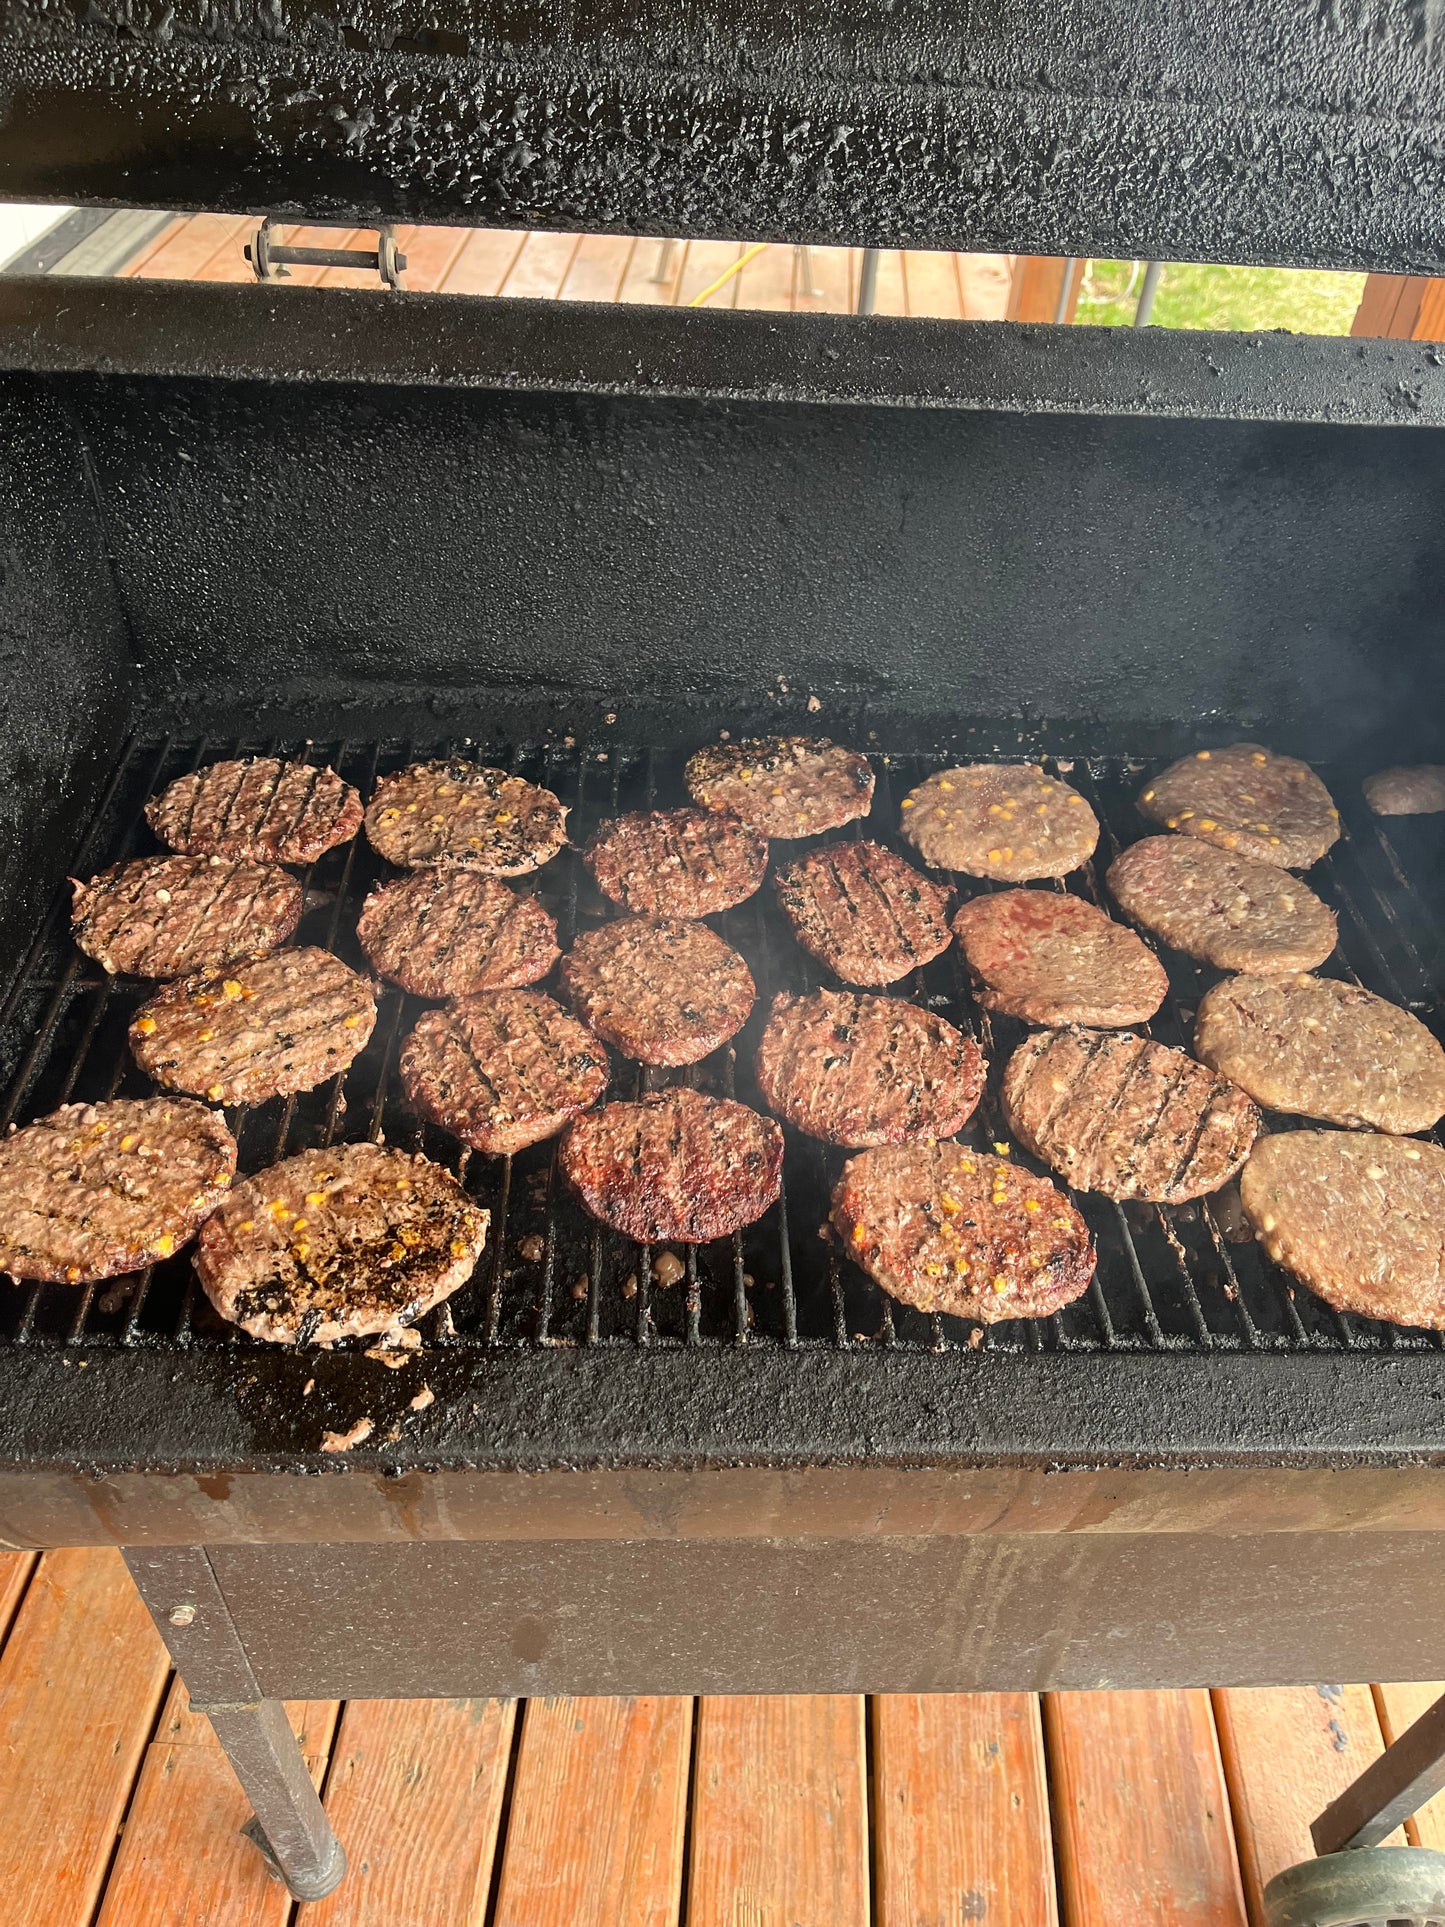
[[868, 282], [663, 270], [1143, 312], [271, 261]]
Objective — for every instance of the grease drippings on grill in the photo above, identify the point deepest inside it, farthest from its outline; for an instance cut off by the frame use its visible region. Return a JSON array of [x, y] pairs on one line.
[[864, 912], [96, 1190], [350, 1241], [678, 1166], [1007, 821], [504, 1070], [783, 786], [677, 863], [280, 1025], [447, 933], [948, 1229], [260, 807], [1245, 798], [465, 815], [861, 1070], [1356, 1217], [1224, 909], [1121, 1115], [662, 990], [1052, 959], [169, 916], [1314, 1047]]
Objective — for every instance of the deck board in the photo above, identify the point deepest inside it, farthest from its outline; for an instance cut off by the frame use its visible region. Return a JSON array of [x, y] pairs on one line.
[[1397, 1707]]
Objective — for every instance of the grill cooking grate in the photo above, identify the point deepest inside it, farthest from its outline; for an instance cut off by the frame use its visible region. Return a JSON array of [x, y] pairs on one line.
[[1183, 1279]]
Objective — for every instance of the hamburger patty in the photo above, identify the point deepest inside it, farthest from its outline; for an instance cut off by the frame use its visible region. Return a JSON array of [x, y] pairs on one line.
[[98, 1189], [504, 1070], [447, 933], [1224, 909], [947, 1229], [1051, 959], [864, 912], [1410, 790], [438, 814], [663, 991], [283, 1024], [676, 1167], [270, 811], [1317, 1048], [859, 1070], [345, 1242], [1127, 1117], [1008, 821], [782, 786], [163, 916], [677, 863], [1247, 799], [1356, 1217]]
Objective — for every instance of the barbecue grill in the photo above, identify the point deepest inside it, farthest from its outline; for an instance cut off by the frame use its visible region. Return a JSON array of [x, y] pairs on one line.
[[579, 542]]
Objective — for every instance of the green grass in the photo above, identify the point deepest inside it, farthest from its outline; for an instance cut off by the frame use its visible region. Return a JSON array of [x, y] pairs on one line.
[[1192, 295]]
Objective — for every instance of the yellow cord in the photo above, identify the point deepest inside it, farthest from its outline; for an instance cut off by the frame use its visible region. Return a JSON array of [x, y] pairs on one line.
[[727, 275]]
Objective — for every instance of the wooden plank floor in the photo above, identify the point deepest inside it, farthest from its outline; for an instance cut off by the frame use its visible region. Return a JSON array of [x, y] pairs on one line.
[[1083, 1810]]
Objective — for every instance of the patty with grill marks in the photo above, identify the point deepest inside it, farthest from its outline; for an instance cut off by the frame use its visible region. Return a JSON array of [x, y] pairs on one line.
[[864, 912], [348, 1242], [504, 1070], [1416, 789], [448, 933], [782, 787], [262, 808], [1006, 821], [283, 1024], [1052, 959], [1119, 1114], [1263, 805], [165, 916], [1356, 1217], [460, 814], [1224, 909], [1317, 1048], [677, 1167], [858, 1070], [946, 1229], [677, 863], [95, 1190], [662, 990]]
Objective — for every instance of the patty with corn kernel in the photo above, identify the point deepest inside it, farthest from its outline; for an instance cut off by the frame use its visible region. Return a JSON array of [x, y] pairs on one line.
[[96, 1190], [1007, 821], [459, 814], [1247, 799], [262, 808], [351, 1241], [782, 786], [947, 1229], [283, 1024], [165, 916]]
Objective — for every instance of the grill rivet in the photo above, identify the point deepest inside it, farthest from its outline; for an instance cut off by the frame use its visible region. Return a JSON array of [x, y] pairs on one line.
[[181, 1615]]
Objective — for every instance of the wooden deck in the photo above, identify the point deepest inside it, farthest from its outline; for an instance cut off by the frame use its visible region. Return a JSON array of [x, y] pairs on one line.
[[1078, 1810]]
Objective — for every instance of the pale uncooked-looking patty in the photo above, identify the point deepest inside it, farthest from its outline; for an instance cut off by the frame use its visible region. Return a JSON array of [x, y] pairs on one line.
[[1224, 909], [448, 933], [503, 1070], [1251, 800], [864, 912], [1051, 959], [662, 990], [1007, 821], [677, 863], [463, 814], [166, 916], [1416, 789], [783, 786], [262, 808]]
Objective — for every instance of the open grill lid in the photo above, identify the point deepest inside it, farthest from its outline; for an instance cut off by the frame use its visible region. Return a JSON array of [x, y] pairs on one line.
[[1306, 134]]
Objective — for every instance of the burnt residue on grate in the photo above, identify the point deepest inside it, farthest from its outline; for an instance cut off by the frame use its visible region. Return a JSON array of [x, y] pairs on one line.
[[1183, 1280]]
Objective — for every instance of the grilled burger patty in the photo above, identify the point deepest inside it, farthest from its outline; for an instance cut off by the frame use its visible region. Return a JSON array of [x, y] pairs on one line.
[[662, 990], [503, 1070], [447, 933], [163, 916], [782, 786], [459, 813], [1317, 1048], [345, 1242], [283, 1024], [1224, 909], [1007, 821], [270, 811], [865, 913], [1247, 799], [946, 1229], [859, 1070], [1356, 1217], [677, 863], [676, 1167], [1127, 1117], [98, 1189], [1409, 790], [1052, 959]]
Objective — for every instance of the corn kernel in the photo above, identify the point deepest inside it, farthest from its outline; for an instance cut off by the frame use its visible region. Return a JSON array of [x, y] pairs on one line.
[[145, 1025], [1203, 755], [1000, 1283], [127, 1143], [214, 1093], [165, 1245], [205, 1036], [1032, 1204], [232, 990], [314, 1198]]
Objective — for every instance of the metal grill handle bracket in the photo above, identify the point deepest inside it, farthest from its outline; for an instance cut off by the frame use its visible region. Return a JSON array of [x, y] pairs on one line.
[[271, 260]]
